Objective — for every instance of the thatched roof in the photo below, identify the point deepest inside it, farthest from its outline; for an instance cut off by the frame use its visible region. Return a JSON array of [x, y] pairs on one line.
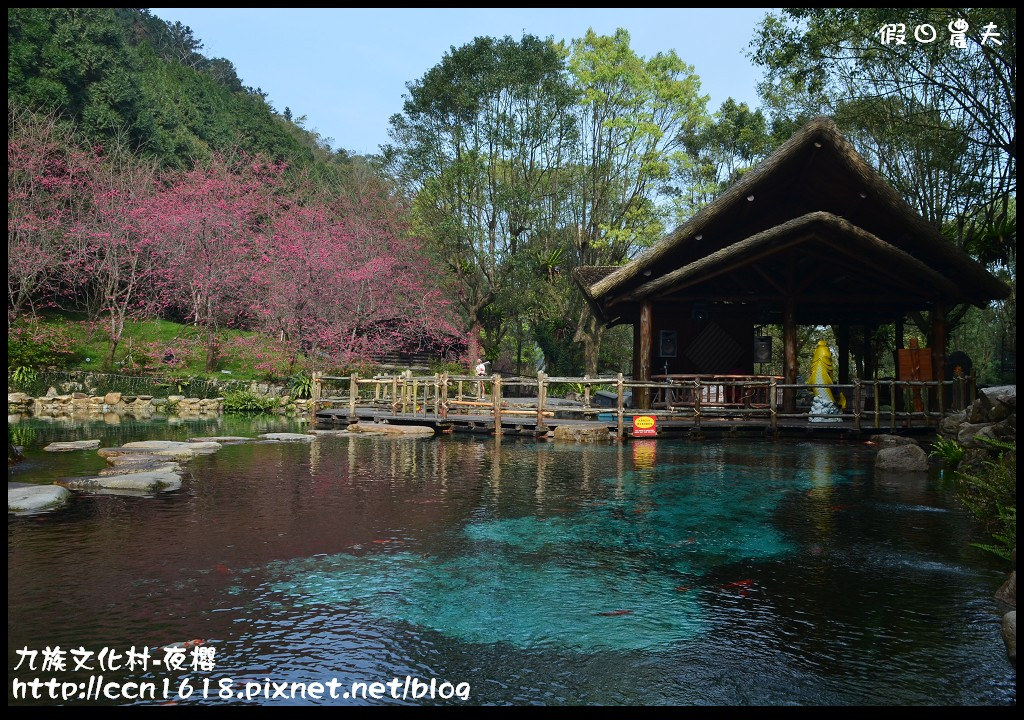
[[815, 170], [588, 275], [805, 229]]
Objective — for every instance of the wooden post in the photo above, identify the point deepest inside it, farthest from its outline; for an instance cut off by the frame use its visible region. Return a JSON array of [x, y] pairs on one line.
[[874, 384], [458, 395], [789, 362], [405, 391], [415, 393], [496, 398], [540, 399], [856, 404], [898, 401], [315, 395], [394, 394], [353, 393], [892, 408], [843, 341], [938, 342], [619, 395], [444, 396], [697, 393], [586, 393], [870, 363], [644, 359], [437, 394], [773, 402], [376, 393], [941, 398]]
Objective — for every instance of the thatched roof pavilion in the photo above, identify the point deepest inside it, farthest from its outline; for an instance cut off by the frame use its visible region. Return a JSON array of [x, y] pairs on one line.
[[812, 235]]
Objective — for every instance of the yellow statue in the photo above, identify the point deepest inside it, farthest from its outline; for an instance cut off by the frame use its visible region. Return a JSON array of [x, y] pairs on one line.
[[822, 373]]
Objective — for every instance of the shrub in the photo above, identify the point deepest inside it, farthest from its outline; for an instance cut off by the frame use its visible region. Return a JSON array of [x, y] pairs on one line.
[[39, 345], [990, 493], [301, 385], [949, 450], [245, 401]]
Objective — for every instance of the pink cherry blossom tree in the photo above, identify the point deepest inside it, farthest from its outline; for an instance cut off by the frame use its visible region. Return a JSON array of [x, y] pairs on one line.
[[209, 236]]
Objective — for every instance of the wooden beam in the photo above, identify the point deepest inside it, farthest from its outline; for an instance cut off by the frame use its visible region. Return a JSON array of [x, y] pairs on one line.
[[870, 371], [769, 279], [898, 400], [646, 333], [843, 340], [938, 340], [789, 362]]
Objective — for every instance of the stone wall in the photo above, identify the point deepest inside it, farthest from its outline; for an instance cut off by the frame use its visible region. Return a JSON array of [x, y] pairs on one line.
[[993, 416], [116, 405]]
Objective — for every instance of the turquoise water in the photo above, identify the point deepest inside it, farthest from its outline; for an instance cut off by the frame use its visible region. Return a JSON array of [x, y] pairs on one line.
[[646, 573]]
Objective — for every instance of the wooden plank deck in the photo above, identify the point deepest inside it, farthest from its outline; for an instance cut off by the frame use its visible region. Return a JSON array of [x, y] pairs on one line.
[[527, 425]]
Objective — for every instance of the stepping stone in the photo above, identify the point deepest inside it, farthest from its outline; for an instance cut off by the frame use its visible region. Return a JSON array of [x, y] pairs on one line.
[[385, 429], [222, 439], [33, 498], [150, 481], [288, 437], [72, 445]]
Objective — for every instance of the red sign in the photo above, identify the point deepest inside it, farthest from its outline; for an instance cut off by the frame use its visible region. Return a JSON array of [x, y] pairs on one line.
[[645, 425]]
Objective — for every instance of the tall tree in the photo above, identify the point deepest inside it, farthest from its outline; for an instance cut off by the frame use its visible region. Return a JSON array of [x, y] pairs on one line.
[[937, 119], [927, 95], [477, 142], [633, 117]]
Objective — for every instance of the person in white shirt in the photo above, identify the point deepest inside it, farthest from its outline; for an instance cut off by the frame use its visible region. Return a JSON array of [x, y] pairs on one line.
[[481, 371]]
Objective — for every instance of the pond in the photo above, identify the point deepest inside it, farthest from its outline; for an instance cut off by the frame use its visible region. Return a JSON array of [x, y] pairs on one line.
[[652, 572]]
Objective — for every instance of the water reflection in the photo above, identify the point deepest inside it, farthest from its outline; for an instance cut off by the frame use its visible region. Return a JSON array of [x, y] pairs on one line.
[[680, 572]]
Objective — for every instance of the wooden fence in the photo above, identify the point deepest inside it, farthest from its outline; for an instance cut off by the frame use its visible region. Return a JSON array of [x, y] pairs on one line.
[[693, 399]]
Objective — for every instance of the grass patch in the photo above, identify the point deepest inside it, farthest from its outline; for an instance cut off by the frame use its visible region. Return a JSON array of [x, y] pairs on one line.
[[157, 347]]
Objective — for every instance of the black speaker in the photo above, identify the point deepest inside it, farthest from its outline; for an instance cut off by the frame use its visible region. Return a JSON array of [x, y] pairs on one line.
[[762, 349]]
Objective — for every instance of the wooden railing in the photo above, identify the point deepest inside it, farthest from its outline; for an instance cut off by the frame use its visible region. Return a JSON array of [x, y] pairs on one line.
[[693, 399]]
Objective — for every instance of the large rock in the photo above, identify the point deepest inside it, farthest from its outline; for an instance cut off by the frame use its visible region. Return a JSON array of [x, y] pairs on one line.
[[112, 398], [970, 434], [35, 497], [902, 458], [889, 441], [386, 429], [975, 412], [72, 445], [1008, 592], [1010, 634], [1005, 395], [150, 481], [18, 398], [288, 437], [950, 425], [582, 433]]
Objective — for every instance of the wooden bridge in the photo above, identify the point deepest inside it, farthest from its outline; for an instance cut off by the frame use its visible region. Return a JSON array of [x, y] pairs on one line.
[[681, 404]]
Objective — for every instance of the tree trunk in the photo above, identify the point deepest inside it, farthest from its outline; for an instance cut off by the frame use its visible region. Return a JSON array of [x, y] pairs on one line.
[[589, 331], [211, 349]]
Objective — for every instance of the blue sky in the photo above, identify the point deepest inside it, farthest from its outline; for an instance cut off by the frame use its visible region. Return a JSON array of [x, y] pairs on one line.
[[346, 69]]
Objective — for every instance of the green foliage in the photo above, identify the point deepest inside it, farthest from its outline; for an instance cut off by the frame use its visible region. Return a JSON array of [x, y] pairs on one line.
[[21, 435], [125, 71], [23, 375], [911, 106], [301, 385], [949, 450], [451, 368], [990, 493], [35, 345], [244, 401]]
